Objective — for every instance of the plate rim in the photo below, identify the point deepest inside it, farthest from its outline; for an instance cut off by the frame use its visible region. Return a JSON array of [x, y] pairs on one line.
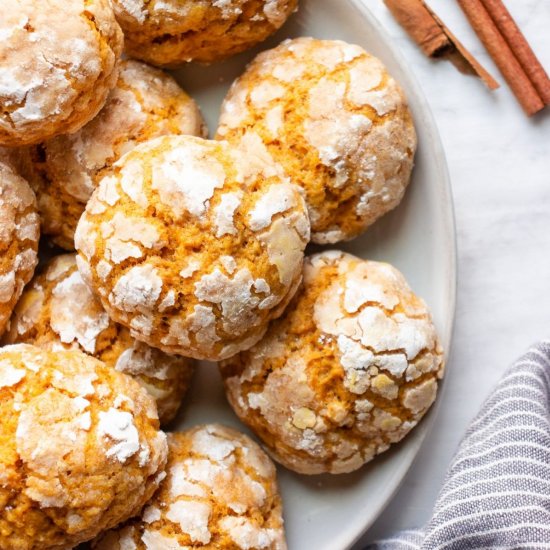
[[360, 527], [368, 31]]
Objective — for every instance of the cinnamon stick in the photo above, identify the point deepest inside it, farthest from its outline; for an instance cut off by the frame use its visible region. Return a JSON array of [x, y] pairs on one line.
[[503, 56], [434, 37], [463, 59], [519, 45], [415, 18]]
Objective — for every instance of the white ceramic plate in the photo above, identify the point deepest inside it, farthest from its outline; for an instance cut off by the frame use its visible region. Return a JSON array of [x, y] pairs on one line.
[[331, 512]]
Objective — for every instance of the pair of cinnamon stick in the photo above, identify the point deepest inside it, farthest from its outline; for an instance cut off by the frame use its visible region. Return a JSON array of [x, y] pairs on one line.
[[511, 52], [499, 33]]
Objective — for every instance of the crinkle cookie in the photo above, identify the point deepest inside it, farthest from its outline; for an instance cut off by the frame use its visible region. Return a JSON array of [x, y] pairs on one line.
[[337, 122], [19, 235], [81, 450], [58, 311], [171, 32], [350, 368], [146, 103], [220, 492], [194, 245], [59, 62]]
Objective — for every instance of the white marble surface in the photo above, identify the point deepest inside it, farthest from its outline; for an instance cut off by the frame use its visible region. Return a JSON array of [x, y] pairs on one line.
[[499, 161]]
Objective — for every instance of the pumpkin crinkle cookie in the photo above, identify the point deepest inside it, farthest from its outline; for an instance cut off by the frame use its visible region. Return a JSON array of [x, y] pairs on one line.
[[336, 121], [220, 492], [194, 245], [58, 64], [146, 103], [58, 311], [19, 234], [171, 32], [80, 449], [350, 368]]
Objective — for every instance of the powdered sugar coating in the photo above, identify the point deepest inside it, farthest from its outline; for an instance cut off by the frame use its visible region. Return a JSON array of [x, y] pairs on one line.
[[116, 429], [57, 310], [187, 180], [19, 234], [218, 257], [350, 368], [336, 121], [145, 103], [220, 491], [171, 32], [80, 443], [56, 72], [10, 375]]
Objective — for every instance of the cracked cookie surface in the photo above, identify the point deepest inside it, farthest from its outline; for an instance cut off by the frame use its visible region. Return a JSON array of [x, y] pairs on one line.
[[59, 62], [336, 121], [194, 245], [172, 32], [349, 369], [19, 235], [57, 310], [80, 449], [146, 103], [220, 492]]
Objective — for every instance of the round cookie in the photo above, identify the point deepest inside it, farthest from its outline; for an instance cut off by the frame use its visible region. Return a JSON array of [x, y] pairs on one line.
[[146, 103], [59, 62], [350, 368], [171, 32], [337, 122], [220, 492], [19, 235], [58, 311], [80, 448], [194, 245]]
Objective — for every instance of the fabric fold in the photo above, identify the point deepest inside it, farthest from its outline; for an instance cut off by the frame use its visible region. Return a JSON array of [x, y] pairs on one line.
[[496, 494]]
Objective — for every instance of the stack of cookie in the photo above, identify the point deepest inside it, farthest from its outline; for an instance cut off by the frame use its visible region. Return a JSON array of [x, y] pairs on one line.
[[179, 248]]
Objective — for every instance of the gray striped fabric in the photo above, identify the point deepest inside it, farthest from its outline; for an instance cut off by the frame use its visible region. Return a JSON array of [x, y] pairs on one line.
[[496, 494]]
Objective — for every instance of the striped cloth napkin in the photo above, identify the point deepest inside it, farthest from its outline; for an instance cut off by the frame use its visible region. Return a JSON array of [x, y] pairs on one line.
[[496, 494]]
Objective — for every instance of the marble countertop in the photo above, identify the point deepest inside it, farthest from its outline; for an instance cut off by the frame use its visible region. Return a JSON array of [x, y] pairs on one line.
[[499, 161]]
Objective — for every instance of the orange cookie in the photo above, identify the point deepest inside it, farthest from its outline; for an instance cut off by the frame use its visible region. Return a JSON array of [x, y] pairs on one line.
[[171, 32], [58, 311], [350, 368], [81, 450], [59, 63], [194, 245], [146, 103], [19, 234], [220, 492], [336, 121]]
